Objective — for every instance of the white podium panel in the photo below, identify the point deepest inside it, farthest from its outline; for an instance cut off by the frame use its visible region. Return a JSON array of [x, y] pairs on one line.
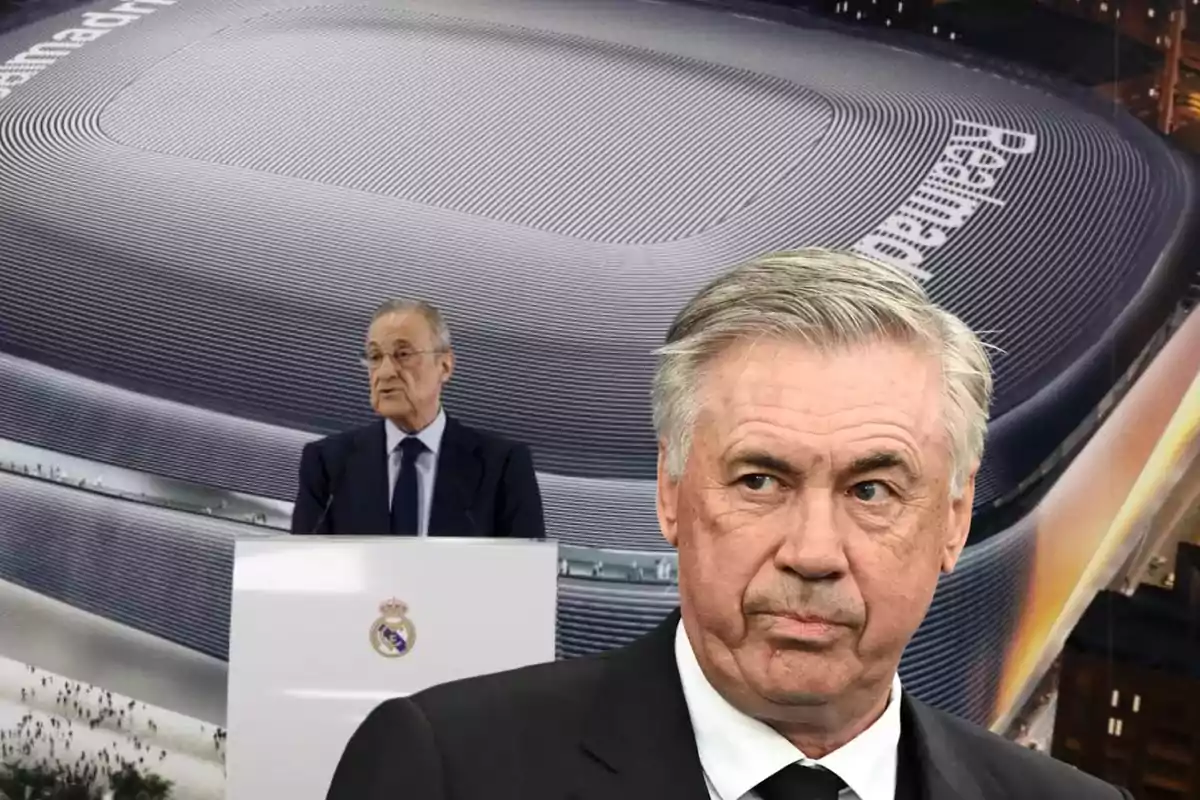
[[324, 629]]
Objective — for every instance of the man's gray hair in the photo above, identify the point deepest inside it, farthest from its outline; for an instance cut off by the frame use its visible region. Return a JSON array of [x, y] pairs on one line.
[[437, 323], [829, 300]]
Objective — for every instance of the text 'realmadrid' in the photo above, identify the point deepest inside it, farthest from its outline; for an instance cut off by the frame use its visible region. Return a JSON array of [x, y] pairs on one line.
[[952, 191], [23, 67]]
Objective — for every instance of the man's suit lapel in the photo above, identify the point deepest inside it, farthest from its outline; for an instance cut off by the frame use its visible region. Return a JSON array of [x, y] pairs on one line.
[[639, 735], [456, 484], [943, 767], [640, 740], [367, 482]]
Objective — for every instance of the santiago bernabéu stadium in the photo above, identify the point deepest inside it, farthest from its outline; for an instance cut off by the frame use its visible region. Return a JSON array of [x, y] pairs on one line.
[[202, 200]]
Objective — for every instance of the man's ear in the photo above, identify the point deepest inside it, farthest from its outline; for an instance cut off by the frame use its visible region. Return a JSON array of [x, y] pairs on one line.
[[447, 366], [958, 523], [668, 499]]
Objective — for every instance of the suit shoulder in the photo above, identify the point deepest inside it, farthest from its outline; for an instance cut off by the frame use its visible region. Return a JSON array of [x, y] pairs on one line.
[[340, 443], [514, 729], [1019, 767], [552, 693], [484, 439]]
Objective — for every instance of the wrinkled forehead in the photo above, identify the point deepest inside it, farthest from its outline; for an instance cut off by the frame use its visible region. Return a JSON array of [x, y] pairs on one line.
[[812, 391], [408, 326]]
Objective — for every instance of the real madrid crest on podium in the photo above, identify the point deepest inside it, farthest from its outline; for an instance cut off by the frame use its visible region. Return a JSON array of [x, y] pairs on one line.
[[393, 634]]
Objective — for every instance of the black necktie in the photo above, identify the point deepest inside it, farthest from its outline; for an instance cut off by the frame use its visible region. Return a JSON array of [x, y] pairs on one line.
[[404, 495], [798, 782]]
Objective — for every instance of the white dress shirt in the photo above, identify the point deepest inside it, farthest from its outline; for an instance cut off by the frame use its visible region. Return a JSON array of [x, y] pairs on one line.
[[431, 437], [737, 752]]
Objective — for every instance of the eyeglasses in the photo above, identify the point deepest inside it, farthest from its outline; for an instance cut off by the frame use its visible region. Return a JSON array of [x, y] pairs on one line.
[[401, 357]]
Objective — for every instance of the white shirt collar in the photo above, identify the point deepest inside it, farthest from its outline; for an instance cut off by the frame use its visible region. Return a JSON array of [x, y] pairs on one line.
[[430, 435], [738, 752]]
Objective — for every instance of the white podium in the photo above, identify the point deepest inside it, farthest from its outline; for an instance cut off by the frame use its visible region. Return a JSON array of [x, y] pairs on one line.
[[324, 629]]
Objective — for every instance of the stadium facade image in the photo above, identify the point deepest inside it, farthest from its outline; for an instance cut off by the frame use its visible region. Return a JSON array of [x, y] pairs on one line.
[[200, 202]]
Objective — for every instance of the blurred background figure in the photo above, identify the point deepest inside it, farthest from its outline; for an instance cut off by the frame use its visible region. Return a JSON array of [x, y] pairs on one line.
[[416, 471]]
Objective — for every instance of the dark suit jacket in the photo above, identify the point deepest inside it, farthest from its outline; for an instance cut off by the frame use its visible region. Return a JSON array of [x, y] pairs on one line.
[[484, 486], [617, 726]]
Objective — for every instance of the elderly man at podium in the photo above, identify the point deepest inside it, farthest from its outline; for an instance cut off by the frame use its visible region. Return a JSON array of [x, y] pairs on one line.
[[417, 471], [820, 425]]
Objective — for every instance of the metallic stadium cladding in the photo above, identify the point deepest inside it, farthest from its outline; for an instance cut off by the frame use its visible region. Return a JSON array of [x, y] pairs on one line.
[[81, 548], [220, 228]]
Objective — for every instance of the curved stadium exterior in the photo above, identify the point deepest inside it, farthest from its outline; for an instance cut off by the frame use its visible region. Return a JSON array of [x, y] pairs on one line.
[[200, 206]]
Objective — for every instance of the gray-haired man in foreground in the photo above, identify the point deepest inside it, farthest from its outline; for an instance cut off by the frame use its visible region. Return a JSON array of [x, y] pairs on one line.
[[820, 425]]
